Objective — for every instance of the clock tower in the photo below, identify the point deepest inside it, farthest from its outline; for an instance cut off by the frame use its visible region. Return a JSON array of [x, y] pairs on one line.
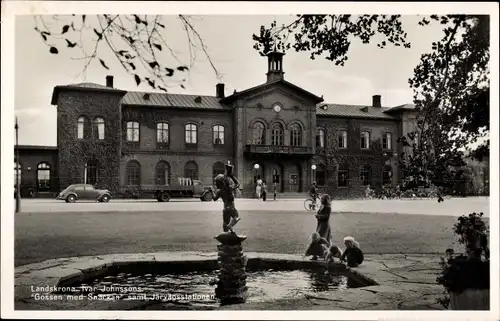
[[275, 66]]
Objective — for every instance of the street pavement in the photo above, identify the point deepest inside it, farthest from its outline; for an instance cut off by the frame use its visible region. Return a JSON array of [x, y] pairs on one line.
[[452, 207], [51, 229]]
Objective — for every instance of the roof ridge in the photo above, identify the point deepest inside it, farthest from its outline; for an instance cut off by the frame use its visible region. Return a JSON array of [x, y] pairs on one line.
[[167, 93], [350, 105]]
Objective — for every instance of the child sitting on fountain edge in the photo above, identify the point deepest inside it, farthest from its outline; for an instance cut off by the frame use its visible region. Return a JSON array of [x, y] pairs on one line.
[[332, 252], [352, 253], [315, 247]]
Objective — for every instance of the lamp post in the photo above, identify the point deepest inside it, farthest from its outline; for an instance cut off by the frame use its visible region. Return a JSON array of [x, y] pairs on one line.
[[313, 167], [18, 192], [256, 167]]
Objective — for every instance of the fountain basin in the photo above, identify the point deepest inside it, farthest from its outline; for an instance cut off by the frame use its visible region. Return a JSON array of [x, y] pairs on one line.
[[191, 285]]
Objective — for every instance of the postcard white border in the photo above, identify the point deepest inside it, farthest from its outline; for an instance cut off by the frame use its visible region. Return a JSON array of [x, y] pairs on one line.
[[12, 8]]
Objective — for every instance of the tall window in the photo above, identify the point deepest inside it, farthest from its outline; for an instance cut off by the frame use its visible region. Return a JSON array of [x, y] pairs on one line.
[[258, 134], [365, 175], [295, 135], [99, 127], [218, 132], [133, 173], [91, 172], [320, 175], [162, 173], [387, 175], [218, 168], [191, 133], [342, 138], [17, 177], [320, 137], [343, 176], [365, 140], [83, 128], [387, 141], [162, 133], [191, 170], [277, 134], [132, 131], [43, 176]]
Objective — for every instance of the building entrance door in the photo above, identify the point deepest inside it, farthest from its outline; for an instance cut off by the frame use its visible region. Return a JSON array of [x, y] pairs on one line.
[[275, 177]]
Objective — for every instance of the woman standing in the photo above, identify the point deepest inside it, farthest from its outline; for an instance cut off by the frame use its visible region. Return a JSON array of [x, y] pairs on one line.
[[323, 217], [258, 188]]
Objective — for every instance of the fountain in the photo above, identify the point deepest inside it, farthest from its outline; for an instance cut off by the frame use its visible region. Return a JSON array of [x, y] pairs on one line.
[[231, 287]]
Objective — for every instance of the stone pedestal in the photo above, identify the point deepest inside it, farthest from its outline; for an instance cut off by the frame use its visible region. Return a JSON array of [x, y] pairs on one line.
[[231, 287]]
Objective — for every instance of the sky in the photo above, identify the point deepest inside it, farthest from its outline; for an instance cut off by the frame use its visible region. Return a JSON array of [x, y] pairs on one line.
[[369, 70]]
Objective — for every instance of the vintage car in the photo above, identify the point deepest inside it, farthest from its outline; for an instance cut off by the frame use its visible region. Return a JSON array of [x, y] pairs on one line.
[[76, 192]]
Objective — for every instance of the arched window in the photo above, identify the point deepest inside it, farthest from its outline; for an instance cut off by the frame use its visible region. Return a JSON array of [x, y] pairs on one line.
[[320, 137], [133, 173], [17, 176], [191, 133], [343, 176], [91, 172], [365, 175], [218, 131], [387, 175], [162, 130], [342, 138], [277, 134], [258, 134], [43, 176], [365, 140], [83, 128], [295, 135], [162, 173], [191, 170], [218, 168], [133, 131], [387, 141], [99, 127]]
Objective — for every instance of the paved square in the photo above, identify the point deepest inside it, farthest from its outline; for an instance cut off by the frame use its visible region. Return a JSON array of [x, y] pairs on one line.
[[56, 229]]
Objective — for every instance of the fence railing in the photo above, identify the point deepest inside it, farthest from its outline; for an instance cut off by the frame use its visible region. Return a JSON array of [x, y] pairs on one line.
[[276, 149]]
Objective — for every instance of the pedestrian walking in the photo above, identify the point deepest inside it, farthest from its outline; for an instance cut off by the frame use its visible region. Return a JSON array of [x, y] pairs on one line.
[[264, 191]]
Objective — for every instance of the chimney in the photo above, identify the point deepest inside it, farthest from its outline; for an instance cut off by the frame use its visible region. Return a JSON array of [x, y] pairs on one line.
[[219, 91], [376, 101], [109, 81]]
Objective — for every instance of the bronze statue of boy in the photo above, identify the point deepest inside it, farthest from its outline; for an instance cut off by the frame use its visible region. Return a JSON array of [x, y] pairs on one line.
[[224, 190]]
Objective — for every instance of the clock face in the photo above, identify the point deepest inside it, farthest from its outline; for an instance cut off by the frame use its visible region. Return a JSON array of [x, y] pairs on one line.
[[277, 108]]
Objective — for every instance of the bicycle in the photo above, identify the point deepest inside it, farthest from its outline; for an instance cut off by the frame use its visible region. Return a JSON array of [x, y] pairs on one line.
[[311, 205]]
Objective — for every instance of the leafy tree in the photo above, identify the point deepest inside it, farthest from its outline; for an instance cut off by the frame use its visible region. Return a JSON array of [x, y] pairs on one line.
[[139, 43], [450, 84]]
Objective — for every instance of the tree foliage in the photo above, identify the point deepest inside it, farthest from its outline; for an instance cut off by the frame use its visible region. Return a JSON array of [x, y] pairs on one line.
[[451, 95], [330, 35], [450, 84], [140, 44]]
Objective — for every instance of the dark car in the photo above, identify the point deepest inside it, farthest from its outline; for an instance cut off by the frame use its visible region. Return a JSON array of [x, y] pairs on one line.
[[84, 192]]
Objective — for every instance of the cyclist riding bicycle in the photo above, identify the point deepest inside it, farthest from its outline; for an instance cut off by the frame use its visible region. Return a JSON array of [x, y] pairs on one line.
[[313, 193]]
